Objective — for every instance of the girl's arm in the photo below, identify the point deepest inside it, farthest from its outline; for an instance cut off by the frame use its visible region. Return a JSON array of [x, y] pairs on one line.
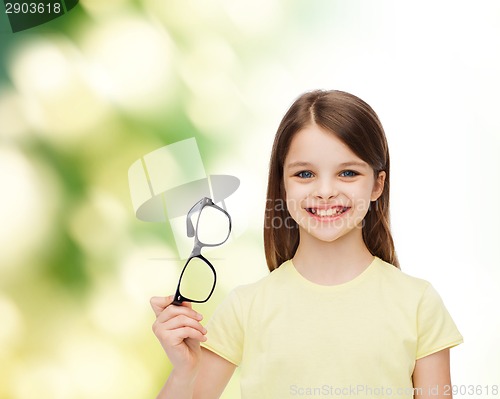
[[197, 372], [431, 376], [213, 376]]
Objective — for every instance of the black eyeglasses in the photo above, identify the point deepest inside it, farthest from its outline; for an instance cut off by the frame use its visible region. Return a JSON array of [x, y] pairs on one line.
[[212, 228]]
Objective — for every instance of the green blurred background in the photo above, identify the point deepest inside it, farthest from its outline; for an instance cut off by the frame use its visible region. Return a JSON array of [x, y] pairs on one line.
[[86, 95]]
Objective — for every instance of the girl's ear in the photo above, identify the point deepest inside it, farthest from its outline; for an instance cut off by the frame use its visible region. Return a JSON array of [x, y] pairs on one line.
[[378, 187]]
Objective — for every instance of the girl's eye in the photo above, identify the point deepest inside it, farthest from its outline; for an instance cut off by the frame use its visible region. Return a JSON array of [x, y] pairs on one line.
[[305, 174], [348, 173]]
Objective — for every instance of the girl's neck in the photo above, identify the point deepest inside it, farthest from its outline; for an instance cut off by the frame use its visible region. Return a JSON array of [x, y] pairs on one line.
[[332, 263]]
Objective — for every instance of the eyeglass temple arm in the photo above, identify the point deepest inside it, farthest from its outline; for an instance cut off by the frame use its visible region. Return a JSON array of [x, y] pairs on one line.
[[189, 223], [190, 228]]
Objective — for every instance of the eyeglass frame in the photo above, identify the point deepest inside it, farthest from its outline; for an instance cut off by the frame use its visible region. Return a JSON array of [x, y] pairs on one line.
[[198, 245]]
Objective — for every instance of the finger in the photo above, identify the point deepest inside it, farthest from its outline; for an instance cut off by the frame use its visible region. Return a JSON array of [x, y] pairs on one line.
[[173, 311], [182, 321], [177, 336], [187, 304], [159, 303]]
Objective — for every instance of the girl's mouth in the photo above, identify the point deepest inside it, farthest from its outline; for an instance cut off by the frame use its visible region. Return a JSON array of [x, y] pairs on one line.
[[330, 212]]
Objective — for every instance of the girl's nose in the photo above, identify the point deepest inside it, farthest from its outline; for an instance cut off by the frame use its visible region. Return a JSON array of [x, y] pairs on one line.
[[326, 189]]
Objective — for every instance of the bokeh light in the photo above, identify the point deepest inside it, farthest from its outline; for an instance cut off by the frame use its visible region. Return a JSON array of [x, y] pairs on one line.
[[57, 97], [13, 330], [14, 124], [130, 60], [27, 205]]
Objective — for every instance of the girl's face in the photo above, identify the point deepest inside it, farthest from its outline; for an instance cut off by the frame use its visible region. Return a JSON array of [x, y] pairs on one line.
[[328, 187]]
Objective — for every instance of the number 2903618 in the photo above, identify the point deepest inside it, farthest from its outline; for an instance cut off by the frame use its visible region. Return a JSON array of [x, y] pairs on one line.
[[33, 8]]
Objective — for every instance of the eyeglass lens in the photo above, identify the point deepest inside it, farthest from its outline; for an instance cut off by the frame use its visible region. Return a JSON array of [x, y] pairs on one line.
[[212, 226], [197, 280]]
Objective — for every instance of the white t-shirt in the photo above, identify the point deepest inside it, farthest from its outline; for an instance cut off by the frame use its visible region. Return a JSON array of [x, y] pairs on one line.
[[296, 339]]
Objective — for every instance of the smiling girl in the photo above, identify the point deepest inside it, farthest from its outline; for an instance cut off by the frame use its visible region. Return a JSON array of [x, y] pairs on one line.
[[336, 315]]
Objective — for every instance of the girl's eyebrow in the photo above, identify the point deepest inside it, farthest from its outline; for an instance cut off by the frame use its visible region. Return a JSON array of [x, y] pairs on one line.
[[353, 163], [360, 164], [298, 164]]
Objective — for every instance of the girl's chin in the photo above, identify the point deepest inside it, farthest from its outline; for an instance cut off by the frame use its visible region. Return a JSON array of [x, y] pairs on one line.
[[329, 233]]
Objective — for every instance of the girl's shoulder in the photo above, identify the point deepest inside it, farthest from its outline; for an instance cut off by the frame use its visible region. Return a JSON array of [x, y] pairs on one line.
[[401, 281], [271, 282]]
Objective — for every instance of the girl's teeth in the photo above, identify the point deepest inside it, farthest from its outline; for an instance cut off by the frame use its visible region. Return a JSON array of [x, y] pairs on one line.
[[328, 212]]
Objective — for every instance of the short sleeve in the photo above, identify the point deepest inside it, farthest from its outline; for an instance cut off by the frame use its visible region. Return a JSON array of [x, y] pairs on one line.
[[436, 329], [225, 330]]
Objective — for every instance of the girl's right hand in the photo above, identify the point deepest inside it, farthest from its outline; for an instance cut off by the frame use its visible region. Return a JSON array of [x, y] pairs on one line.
[[179, 331]]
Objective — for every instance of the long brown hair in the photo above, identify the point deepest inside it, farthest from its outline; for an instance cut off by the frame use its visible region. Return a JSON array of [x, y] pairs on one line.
[[355, 123]]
